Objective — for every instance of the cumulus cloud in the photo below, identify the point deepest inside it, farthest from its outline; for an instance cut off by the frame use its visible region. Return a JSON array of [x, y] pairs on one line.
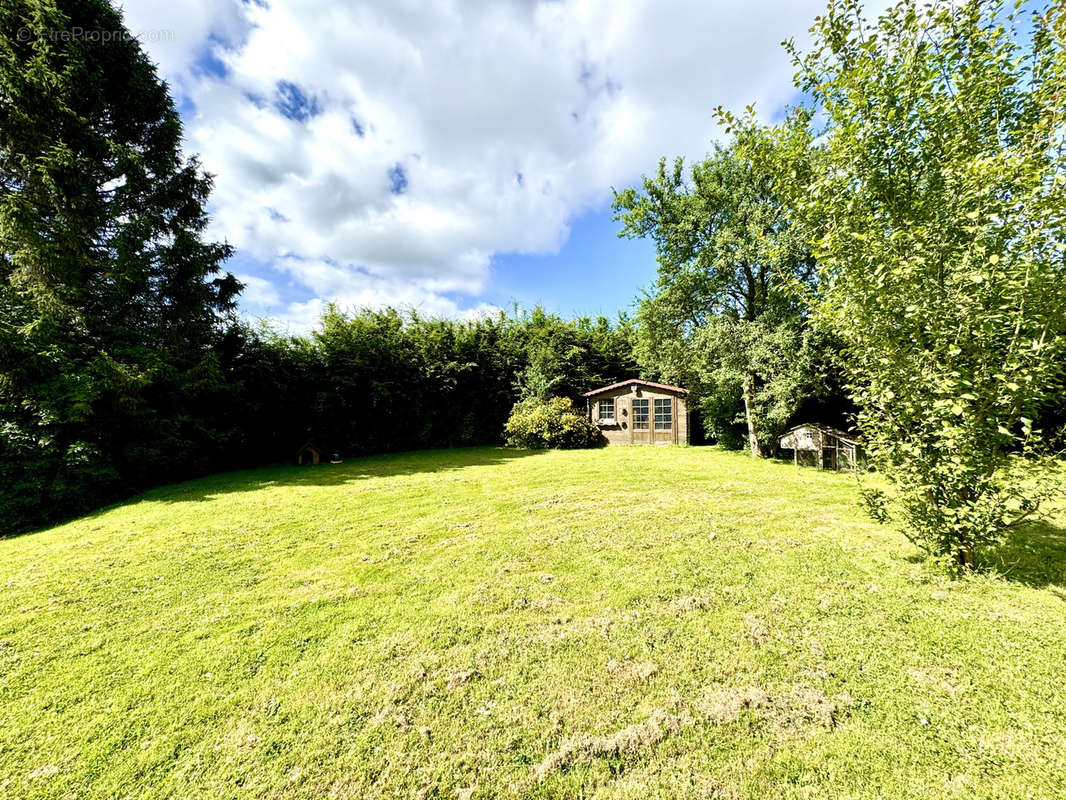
[[383, 153], [258, 292]]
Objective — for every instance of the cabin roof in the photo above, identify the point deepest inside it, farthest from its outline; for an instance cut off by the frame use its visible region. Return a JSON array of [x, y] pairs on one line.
[[639, 382]]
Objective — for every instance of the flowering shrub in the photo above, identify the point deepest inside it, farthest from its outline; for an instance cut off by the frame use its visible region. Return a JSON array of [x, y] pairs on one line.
[[554, 423]]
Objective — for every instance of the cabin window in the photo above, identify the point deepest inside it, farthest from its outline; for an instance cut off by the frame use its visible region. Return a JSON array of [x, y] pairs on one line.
[[640, 414], [607, 410], [664, 413]]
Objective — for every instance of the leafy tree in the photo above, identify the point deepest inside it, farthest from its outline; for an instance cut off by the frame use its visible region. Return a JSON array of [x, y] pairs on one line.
[[940, 204], [541, 376], [110, 301], [723, 317], [783, 363]]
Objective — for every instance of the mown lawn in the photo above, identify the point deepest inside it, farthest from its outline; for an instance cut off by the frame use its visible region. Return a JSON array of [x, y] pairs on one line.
[[641, 622]]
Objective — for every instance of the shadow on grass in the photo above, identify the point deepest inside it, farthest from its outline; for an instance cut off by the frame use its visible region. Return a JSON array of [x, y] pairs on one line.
[[325, 474], [1033, 554], [214, 486]]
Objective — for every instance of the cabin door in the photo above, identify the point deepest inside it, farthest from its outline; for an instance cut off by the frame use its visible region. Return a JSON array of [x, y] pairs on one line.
[[663, 420], [640, 420]]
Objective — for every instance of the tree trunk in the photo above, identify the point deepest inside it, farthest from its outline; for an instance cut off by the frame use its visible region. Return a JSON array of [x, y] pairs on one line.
[[749, 401], [965, 558]]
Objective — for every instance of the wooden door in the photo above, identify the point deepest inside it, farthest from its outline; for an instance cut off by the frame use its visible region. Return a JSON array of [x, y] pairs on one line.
[[663, 420], [640, 420]]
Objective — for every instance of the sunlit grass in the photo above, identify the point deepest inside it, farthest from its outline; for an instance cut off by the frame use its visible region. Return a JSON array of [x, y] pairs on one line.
[[626, 622]]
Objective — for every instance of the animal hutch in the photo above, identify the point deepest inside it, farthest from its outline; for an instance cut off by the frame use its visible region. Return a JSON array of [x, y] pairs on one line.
[[827, 447]]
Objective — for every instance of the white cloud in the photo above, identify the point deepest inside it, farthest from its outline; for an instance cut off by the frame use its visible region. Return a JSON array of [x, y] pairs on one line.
[[352, 289], [504, 120], [258, 291], [178, 32]]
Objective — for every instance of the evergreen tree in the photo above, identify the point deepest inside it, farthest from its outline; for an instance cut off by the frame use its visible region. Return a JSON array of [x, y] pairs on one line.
[[110, 299]]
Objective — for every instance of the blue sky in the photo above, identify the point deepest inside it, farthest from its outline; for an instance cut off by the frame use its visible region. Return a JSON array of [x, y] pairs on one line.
[[453, 157], [594, 273]]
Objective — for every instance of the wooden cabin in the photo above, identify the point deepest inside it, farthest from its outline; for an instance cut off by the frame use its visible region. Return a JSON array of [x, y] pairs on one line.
[[827, 447], [640, 412]]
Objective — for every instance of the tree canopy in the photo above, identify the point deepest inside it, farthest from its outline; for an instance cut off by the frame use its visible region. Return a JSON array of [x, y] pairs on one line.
[[940, 202], [724, 316], [110, 299]]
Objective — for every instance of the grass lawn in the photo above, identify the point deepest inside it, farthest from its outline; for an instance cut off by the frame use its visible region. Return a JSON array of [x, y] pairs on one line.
[[627, 622]]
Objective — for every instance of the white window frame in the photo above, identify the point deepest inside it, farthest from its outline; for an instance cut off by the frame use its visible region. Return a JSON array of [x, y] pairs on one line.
[[603, 417]]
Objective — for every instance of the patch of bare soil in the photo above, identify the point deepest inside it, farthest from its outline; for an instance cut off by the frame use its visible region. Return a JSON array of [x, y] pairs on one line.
[[457, 679], [624, 742], [941, 679], [724, 705], [803, 707], [789, 711]]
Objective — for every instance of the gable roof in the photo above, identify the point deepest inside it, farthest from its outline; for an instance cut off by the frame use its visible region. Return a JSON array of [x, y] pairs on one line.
[[630, 382], [850, 438]]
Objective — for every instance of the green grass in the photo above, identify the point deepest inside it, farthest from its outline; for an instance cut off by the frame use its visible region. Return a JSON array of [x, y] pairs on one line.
[[627, 622]]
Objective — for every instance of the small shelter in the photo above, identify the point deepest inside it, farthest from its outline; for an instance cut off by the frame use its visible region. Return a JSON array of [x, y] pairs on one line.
[[827, 447], [308, 454], [639, 412]]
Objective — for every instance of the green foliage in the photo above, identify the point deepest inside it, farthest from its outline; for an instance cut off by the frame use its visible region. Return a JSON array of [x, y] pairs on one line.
[[941, 201], [566, 358], [382, 382], [110, 301], [541, 375], [553, 423], [785, 363], [723, 319], [121, 364]]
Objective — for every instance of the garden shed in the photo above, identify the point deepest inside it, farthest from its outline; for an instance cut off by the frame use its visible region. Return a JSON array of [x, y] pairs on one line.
[[825, 446], [640, 412]]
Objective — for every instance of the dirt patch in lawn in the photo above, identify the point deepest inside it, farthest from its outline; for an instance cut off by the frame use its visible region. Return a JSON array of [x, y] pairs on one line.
[[457, 679], [803, 707], [724, 705], [941, 679], [789, 711], [755, 630]]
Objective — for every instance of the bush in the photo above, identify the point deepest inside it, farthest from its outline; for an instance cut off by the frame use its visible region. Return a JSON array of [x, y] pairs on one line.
[[537, 424]]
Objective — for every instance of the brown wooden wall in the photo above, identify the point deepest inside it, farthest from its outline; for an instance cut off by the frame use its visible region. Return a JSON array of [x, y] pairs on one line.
[[622, 432]]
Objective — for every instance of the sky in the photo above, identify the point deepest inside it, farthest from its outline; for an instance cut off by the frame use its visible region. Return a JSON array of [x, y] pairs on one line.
[[451, 157]]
